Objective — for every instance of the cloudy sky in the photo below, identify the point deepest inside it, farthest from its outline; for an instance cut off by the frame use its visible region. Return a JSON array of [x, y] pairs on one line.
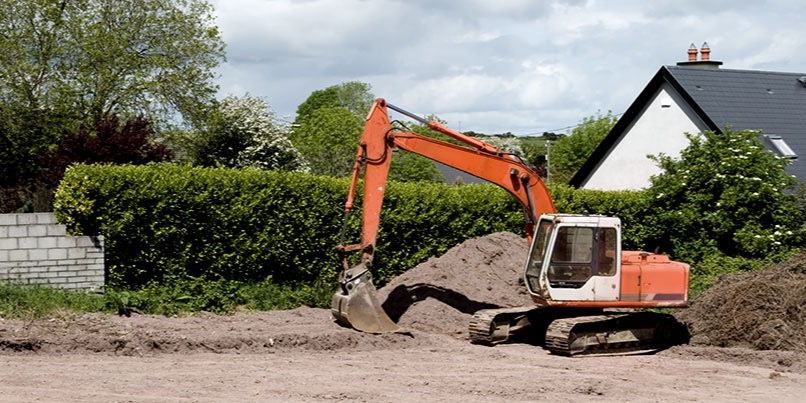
[[494, 66]]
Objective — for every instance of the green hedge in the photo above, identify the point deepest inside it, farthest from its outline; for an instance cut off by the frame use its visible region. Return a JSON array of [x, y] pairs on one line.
[[185, 226], [167, 222], [631, 206]]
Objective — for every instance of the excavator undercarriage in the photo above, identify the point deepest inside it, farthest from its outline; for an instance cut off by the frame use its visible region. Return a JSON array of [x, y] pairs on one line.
[[582, 331]]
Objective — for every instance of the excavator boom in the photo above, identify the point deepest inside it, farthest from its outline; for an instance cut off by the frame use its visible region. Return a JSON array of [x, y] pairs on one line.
[[356, 304]]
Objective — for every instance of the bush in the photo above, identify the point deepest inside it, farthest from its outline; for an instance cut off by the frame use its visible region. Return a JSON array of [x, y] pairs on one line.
[[168, 223], [174, 230], [216, 296], [726, 195], [630, 206]]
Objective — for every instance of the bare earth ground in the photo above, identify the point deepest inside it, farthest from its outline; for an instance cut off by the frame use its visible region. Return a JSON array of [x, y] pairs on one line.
[[301, 355]]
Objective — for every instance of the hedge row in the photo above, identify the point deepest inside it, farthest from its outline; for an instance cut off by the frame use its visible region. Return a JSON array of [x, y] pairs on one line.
[[165, 222]]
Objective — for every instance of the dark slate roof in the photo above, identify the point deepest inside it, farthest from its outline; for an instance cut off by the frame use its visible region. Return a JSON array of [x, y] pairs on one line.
[[772, 102]]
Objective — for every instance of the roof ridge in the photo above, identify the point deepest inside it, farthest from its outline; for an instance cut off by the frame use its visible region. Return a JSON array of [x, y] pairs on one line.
[[673, 67]]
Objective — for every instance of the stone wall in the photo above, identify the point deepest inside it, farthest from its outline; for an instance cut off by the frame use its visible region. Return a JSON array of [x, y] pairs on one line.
[[34, 249]]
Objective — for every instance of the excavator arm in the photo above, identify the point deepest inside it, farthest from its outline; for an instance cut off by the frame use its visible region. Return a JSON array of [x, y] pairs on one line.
[[356, 304]]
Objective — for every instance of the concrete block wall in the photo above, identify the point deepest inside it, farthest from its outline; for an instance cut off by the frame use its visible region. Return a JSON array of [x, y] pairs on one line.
[[34, 249]]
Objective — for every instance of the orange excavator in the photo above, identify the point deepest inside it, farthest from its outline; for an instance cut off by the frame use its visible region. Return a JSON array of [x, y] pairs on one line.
[[588, 293]]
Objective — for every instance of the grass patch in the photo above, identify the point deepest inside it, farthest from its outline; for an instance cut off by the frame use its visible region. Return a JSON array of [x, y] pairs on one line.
[[35, 302], [175, 299]]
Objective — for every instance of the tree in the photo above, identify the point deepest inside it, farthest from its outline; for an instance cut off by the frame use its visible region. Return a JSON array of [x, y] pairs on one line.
[[67, 63], [507, 144], [424, 130], [410, 167], [329, 124], [109, 141], [354, 96], [95, 58], [534, 152], [328, 128], [243, 132], [570, 152], [25, 133], [328, 140], [725, 195]]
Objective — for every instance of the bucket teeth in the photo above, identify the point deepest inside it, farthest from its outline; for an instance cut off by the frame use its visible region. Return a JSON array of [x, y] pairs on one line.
[[356, 304]]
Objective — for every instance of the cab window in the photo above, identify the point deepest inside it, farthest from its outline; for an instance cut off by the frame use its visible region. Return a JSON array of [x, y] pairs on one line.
[[606, 252], [571, 261], [544, 228]]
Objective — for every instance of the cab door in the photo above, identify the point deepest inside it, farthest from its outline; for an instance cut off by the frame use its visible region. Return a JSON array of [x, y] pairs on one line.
[[606, 264], [534, 275], [570, 267]]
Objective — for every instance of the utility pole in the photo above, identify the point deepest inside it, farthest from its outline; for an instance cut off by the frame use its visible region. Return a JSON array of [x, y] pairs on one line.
[[548, 161]]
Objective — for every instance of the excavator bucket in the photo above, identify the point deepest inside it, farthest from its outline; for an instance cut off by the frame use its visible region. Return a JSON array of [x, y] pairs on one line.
[[356, 303]]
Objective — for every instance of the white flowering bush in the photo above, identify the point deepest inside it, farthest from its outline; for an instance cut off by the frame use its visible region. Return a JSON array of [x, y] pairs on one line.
[[725, 194], [510, 145], [244, 132]]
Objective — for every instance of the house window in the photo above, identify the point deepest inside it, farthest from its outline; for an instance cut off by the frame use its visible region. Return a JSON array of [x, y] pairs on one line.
[[780, 146]]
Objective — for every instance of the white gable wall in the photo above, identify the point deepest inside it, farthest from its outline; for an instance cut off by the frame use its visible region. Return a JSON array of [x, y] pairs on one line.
[[659, 128]]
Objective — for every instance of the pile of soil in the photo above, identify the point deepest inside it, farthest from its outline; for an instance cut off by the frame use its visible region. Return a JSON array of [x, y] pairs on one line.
[[762, 310], [304, 328], [440, 294]]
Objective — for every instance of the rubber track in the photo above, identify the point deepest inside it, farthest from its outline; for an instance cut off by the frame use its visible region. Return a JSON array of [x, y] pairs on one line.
[[482, 323], [560, 335]]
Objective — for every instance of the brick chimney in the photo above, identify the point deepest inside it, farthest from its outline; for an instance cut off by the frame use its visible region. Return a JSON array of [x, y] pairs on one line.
[[692, 53], [705, 61], [705, 52]]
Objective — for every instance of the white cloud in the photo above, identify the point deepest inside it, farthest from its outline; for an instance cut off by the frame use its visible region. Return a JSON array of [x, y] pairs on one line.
[[493, 66]]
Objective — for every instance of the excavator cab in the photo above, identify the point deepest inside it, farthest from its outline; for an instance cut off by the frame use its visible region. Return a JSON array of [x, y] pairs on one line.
[[574, 258]]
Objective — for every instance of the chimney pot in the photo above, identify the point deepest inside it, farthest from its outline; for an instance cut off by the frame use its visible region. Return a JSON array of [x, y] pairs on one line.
[[705, 52], [692, 53], [704, 63]]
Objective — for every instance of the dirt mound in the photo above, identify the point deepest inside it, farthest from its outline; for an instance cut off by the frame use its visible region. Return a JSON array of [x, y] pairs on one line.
[[440, 294], [762, 310], [265, 332]]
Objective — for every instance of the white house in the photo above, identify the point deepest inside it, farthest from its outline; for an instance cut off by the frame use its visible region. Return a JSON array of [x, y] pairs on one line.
[[692, 97]]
